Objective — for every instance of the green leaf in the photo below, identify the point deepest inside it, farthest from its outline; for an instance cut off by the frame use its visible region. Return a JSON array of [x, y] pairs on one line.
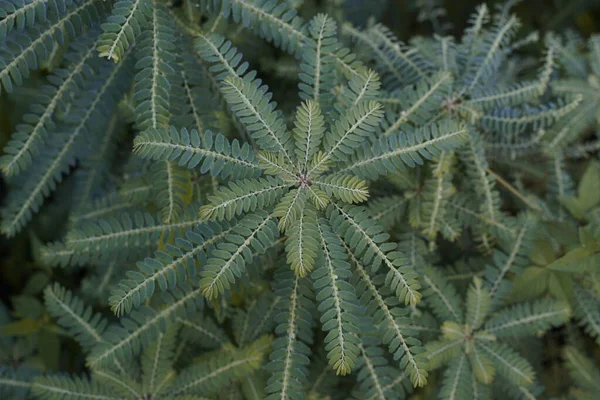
[[589, 187], [23, 327], [578, 260]]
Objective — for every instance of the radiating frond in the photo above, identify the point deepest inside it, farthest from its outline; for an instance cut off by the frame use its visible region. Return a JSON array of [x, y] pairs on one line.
[[337, 300], [167, 268], [256, 232], [392, 154], [81, 322], [289, 357], [213, 153]]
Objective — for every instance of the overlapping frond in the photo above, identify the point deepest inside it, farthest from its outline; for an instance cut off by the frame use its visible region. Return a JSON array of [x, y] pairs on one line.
[[371, 246], [213, 153], [122, 27], [254, 233], [81, 322], [155, 54], [217, 372], [391, 320], [251, 103], [392, 154], [243, 196], [74, 139], [172, 189], [509, 363], [167, 268], [275, 22], [585, 310], [289, 358], [515, 259], [527, 319], [59, 387], [63, 85], [126, 236], [337, 300], [157, 361], [417, 105], [441, 296], [308, 132], [125, 340], [23, 52], [317, 66]]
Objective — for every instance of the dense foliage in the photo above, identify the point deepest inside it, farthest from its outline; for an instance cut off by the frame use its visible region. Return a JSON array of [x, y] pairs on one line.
[[280, 199]]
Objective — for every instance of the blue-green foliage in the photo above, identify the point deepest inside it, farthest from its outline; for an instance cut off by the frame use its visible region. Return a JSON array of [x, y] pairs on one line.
[[253, 203]]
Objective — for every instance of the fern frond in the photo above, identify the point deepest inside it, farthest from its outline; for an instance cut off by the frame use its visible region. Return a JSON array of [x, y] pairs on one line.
[[289, 357], [302, 246], [225, 61], [122, 27], [513, 261], [441, 352], [346, 188], [143, 326], [338, 304], [519, 93], [308, 132], [17, 382], [436, 193], [275, 22], [441, 296], [250, 102], [214, 153], [127, 236], [64, 85], [81, 322], [21, 14], [479, 304], [457, 380], [420, 103], [364, 86], [84, 125], [243, 196], [508, 363], [567, 53], [155, 64], [376, 375], [388, 210], [395, 152], [483, 182], [118, 383], [585, 310], [348, 132], [527, 319], [483, 368], [317, 66], [202, 330], [256, 319], [228, 260], [490, 52], [517, 120], [70, 388], [582, 369], [24, 53], [168, 268], [356, 227], [220, 370], [289, 209], [173, 184], [157, 361], [390, 320], [192, 102]]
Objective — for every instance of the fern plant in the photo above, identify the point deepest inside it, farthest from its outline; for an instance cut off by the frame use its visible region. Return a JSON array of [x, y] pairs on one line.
[[195, 213]]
